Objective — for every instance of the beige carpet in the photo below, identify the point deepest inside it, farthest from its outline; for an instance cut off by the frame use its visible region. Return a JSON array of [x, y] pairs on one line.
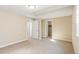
[[35, 46]]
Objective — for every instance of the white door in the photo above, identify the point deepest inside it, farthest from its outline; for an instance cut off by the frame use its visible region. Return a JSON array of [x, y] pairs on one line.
[[35, 29], [29, 28]]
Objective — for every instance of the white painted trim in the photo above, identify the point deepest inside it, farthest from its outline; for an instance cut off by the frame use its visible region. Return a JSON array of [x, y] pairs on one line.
[[11, 43], [64, 40]]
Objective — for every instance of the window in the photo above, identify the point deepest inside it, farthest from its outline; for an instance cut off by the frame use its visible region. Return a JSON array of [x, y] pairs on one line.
[[77, 22]]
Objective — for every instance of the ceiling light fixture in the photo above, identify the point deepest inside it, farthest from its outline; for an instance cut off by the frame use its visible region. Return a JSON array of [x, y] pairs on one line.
[[31, 6]]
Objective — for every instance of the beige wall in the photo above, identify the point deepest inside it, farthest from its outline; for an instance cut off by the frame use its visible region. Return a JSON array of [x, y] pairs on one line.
[[62, 28], [44, 28], [12, 28]]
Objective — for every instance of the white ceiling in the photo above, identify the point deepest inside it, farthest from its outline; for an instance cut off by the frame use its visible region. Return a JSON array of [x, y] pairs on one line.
[[23, 10], [67, 11]]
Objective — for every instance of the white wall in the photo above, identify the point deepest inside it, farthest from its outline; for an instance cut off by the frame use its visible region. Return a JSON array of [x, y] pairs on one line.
[[12, 28]]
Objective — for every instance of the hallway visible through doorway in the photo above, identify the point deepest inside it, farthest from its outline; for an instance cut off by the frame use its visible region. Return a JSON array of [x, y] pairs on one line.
[[50, 29]]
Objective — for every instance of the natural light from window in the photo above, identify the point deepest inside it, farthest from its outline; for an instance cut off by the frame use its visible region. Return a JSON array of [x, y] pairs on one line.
[[77, 22], [52, 40]]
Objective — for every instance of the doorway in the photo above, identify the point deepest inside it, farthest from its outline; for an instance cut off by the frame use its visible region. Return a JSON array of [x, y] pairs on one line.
[[50, 29]]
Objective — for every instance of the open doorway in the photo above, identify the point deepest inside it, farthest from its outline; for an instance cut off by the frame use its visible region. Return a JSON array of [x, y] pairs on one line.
[[50, 29]]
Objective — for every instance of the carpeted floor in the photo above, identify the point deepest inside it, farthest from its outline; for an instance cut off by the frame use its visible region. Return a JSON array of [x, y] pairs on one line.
[[35, 46]]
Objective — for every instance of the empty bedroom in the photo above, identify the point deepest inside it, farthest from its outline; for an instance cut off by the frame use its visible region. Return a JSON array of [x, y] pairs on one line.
[[36, 29]]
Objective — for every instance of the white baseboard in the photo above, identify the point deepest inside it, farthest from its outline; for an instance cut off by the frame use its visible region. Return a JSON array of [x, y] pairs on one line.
[[65, 40], [11, 43]]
